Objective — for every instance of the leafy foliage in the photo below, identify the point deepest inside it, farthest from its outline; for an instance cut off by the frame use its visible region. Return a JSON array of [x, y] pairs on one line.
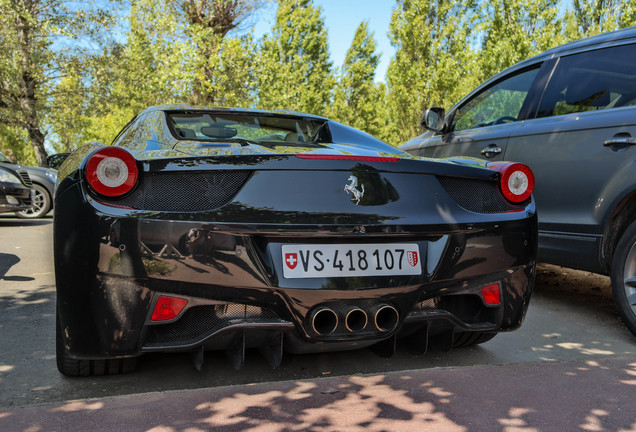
[[72, 72], [434, 62], [295, 71], [514, 30], [357, 98], [29, 61], [15, 145], [146, 70], [597, 16], [222, 67]]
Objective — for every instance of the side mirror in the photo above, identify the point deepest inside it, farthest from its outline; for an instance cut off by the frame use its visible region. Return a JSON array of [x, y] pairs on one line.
[[433, 119], [54, 161]]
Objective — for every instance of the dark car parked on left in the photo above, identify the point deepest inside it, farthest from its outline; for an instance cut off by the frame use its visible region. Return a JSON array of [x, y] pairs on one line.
[[42, 181], [15, 190]]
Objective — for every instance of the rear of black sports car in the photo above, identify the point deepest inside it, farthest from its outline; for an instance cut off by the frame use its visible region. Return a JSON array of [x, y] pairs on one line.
[[307, 250]]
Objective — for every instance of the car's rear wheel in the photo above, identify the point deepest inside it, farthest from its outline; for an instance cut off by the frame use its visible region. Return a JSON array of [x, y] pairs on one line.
[[467, 339], [623, 277], [41, 204], [72, 367]]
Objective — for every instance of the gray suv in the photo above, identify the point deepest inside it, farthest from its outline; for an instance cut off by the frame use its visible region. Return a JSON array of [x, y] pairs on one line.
[[569, 114]]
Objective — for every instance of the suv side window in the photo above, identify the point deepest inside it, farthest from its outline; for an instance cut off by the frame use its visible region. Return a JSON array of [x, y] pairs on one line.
[[591, 81], [498, 104]]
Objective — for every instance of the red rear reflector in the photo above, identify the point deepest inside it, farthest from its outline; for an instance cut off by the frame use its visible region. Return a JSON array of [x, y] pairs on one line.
[[345, 157], [168, 308], [491, 294]]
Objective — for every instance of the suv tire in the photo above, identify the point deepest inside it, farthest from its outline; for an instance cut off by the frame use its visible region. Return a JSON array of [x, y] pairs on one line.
[[41, 204], [623, 277]]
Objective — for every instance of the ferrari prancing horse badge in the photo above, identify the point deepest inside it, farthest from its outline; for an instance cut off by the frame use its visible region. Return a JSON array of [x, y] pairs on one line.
[[353, 188]]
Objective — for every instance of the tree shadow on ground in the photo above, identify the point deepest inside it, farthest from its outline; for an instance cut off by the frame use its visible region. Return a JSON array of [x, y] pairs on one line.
[[578, 396], [6, 262]]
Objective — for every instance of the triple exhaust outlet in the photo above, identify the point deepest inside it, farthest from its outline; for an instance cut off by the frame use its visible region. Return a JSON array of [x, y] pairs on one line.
[[383, 317]]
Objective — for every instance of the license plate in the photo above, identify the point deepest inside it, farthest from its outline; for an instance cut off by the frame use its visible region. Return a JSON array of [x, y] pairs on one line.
[[344, 260]]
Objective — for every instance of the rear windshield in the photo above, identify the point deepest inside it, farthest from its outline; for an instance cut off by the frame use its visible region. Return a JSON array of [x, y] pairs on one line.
[[232, 127]]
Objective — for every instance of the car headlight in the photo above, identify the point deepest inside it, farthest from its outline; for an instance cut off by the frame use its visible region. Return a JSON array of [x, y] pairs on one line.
[[8, 178], [52, 175]]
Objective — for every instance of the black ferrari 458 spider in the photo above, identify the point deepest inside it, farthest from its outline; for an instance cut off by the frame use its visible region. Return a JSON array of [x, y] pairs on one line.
[[226, 229]]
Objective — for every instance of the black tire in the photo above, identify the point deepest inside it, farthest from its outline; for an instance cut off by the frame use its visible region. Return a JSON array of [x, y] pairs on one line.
[[623, 277], [73, 368], [467, 339], [41, 204]]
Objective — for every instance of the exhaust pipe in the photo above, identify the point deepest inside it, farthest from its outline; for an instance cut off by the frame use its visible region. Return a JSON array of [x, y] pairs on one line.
[[324, 321], [355, 320], [385, 317]]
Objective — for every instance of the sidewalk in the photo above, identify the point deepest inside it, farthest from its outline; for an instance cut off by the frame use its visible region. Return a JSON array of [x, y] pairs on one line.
[[578, 396]]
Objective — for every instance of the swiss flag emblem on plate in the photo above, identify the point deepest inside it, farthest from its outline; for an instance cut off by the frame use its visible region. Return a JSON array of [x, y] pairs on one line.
[[411, 257], [291, 260]]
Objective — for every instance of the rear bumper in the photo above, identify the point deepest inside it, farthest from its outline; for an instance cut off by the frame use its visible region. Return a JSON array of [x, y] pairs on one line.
[[218, 325], [14, 198], [128, 260]]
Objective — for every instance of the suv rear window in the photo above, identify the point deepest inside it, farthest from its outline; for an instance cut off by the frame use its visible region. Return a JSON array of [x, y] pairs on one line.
[[590, 81]]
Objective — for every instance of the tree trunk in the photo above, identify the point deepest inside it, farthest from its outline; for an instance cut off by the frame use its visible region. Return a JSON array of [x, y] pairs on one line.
[[28, 84], [37, 142]]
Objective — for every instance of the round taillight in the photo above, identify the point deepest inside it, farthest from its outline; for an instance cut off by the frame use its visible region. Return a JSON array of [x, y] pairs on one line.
[[517, 180], [112, 172]]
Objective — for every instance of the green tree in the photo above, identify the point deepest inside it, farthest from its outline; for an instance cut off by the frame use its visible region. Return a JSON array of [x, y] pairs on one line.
[[222, 67], [29, 63], [14, 143], [597, 16], [24, 56], [295, 71], [174, 52], [433, 64], [227, 76], [514, 30], [147, 69], [357, 98], [66, 119]]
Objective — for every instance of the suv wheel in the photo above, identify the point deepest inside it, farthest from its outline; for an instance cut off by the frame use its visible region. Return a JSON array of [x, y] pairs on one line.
[[624, 277], [41, 204]]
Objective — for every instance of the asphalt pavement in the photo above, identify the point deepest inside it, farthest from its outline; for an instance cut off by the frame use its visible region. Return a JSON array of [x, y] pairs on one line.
[[571, 367]]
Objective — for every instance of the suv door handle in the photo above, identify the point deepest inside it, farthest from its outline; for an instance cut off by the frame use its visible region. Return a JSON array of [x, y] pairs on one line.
[[491, 150], [620, 141]]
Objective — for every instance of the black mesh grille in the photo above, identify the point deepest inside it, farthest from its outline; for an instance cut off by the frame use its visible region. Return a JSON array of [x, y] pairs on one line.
[[424, 306], [478, 196], [200, 321], [185, 191], [25, 178]]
